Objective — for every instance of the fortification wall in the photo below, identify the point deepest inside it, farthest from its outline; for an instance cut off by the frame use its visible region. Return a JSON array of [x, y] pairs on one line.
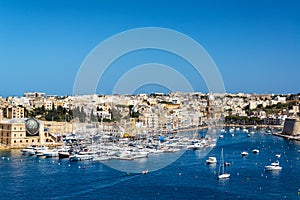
[[291, 126]]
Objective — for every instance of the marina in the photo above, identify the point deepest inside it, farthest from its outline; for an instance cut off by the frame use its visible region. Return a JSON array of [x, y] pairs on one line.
[[187, 177]]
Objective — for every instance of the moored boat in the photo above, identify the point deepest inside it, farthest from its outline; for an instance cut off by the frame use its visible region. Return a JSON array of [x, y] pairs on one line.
[[222, 174], [63, 154], [273, 166], [211, 160], [27, 149], [255, 151], [80, 157]]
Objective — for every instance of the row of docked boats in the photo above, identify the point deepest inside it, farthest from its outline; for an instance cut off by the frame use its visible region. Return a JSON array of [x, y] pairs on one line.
[[42, 151], [101, 149]]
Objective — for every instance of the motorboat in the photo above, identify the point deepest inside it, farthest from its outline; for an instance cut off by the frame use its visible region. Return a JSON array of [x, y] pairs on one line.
[[211, 160], [28, 148], [255, 151], [80, 157], [51, 153], [278, 155], [63, 154], [39, 151], [273, 166], [244, 153]]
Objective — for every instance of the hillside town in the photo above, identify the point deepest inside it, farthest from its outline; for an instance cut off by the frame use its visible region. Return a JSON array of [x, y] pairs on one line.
[[128, 115]]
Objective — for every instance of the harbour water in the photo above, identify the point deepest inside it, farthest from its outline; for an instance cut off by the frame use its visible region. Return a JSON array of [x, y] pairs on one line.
[[189, 177]]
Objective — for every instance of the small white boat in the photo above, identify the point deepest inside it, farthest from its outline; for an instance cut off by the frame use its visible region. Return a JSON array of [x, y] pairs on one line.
[[51, 153], [197, 146], [278, 155], [145, 171], [244, 153], [211, 160], [232, 135], [80, 157], [273, 166], [255, 151], [28, 148], [39, 151], [221, 136], [224, 176]]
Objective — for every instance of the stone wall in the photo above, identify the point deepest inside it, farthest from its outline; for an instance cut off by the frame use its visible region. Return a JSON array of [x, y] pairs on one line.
[[291, 126]]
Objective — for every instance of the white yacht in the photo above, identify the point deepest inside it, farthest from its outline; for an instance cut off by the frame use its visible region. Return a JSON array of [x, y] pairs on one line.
[[211, 160], [39, 151], [27, 149], [273, 166], [80, 157], [52, 153], [255, 151]]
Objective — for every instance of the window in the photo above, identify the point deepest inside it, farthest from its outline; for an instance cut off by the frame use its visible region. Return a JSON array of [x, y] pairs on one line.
[[21, 135], [26, 141], [20, 128], [15, 135], [32, 141], [20, 141], [15, 128], [15, 141]]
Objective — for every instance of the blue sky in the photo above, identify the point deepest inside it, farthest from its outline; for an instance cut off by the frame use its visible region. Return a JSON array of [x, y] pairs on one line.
[[255, 44]]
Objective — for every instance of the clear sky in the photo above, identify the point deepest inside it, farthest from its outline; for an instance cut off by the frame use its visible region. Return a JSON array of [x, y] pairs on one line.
[[255, 44]]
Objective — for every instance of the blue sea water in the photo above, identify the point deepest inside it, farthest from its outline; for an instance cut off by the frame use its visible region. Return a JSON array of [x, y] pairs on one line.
[[189, 177]]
